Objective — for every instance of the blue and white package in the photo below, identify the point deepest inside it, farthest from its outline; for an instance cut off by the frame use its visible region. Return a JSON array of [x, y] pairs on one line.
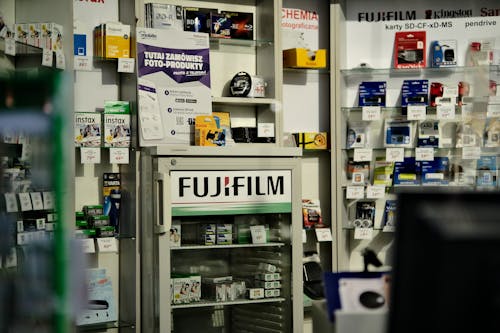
[[436, 172], [407, 172], [487, 171], [444, 53], [428, 133], [372, 93], [389, 219], [398, 133]]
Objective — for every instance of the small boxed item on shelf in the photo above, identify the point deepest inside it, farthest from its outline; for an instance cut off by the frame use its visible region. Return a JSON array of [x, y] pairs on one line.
[[88, 127], [163, 16], [435, 172], [372, 93], [236, 25], [117, 124], [410, 49], [186, 288], [208, 132], [407, 172], [311, 214], [444, 53], [112, 40], [197, 19], [312, 140], [304, 58]]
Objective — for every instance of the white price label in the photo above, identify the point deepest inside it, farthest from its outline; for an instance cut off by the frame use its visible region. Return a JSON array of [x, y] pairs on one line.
[[416, 112], [126, 65], [445, 111], [493, 111], [355, 192], [304, 236], [82, 63], [36, 199], [471, 153], [107, 244], [395, 154], [25, 202], [363, 233], [88, 245], [370, 113], [363, 154], [60, 60], [10, 203], [450, 91], [90, 155], [258, 233], [323, 234], [47, 57], [48, 200], [118, 155], [10, 46], [375, 192], [424, 154]]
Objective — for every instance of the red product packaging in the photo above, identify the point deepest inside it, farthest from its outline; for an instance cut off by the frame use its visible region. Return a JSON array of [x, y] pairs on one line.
[[436, 91], [410, 49]]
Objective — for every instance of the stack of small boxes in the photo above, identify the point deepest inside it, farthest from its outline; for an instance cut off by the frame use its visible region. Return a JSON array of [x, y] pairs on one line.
[[269, 279], [223, 289], [93, 223], [112, 40], [217, 234]]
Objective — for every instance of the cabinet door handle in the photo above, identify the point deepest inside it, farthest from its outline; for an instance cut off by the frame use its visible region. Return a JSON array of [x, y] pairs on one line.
[[162, 223]]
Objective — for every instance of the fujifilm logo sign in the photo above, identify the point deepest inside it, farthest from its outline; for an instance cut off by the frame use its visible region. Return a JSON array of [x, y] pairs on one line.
[[231, 186], [397, 15]]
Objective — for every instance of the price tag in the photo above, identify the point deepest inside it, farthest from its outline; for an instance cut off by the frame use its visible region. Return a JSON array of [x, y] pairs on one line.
[[395, 154], [10, 46], [493, 111], [363, 154], [355, 192], [25, 202], [47, 57], [363, 233], [48, 200], [445, 111], [450, 91], [107, 244], [118, 155], [375, 191], [88, 245], [416, 112], [10, 203], [36, 199], [370, 113], [90, 155], [126, 65], [82, 63], [471, 153], [424, 154], [258, 234], [323, 234], [304, 236], [60, 60]]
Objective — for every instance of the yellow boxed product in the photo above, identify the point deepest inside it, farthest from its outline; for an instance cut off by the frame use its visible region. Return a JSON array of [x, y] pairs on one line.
[[304, 58], [312, 140], [117, 40], [207, 131]]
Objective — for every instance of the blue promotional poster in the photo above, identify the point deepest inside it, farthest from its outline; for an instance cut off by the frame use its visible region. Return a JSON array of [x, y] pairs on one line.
[[173, 70]]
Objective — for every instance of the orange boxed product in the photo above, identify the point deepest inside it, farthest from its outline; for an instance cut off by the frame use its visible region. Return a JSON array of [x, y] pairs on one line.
[[207, 131], [304, 58]]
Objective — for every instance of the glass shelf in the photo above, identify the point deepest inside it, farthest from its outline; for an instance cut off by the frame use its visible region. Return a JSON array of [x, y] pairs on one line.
[[103, 326], [205, 303], [231, 246], [22, 49], [292, 70], [417, 71], [243, 101], [214, 41]]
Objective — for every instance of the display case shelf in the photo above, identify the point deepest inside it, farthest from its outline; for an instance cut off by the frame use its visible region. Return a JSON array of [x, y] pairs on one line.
[[214, 41], [231, 246], [22, 49], [427, 71], [242, 149], [237, 302], [248, 101], [104, 326]]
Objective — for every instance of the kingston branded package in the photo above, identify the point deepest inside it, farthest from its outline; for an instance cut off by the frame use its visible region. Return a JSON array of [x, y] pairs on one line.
[[407, 172], [174, 84], [428, 133], [410, 49], [414, 92], [435, 172], [372, 93], [398, 133], [444, 53]]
